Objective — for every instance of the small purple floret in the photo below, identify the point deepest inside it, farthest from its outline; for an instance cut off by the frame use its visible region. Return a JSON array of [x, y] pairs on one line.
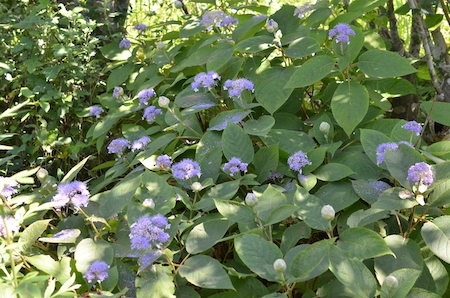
[[420, 172], [186, 169], [414, 127]]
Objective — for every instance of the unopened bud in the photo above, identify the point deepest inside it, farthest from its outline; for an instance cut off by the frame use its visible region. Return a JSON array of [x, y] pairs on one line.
[[279, 265], [196, 186], [271, 26], [251, 199], [324, 128], [42, 174], [405, 194], [163, 102], [391, 282], [149, 203], [422, 188], [178, 4], [278, 35], [328, 212], [160, 45], [420, 199]]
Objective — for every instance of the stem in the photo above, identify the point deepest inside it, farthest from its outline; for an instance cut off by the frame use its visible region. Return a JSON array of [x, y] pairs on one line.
[[97, 233], [9, 241]]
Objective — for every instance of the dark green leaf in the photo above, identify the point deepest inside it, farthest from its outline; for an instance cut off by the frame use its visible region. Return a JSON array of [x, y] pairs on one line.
[[312, 71], [384, 64], [205, 235]]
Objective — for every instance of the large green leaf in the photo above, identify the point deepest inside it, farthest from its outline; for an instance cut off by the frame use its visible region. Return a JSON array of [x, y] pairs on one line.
[[294, 233], [406, 278], [119, 75], [255, 44], [370, 140], [260, 126], [440, 111], [248, 28], [338, 194], [421, 293], [280, 214], [399, 161], [436, 235], [384, 64], [32, 233], [270, 200], [89, 250], [310, 209], [155, 283], [362, 217], [332, 172], [312, 71], [258, 254], [221, 120], [205, 235], [311, 262], [349, 105], [439, 274], [289, 140], [266, 161], [236, 143], [389, 200], [362, 243], [235, 211], [362, 6], [352, 273], [59, 269], [369, 190], [302, 47]]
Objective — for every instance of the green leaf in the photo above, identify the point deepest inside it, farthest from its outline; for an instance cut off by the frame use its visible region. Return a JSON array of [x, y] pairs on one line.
[[438, 273], [89, 250], [349, 105], [406, 278], [440, 111], [270, 200], [74, 171], [399, 161], [64, 236], [440, 149], [302, 47], [248, 28], [362, 243], [59, 269], [119, 75], [236, 143], [280, 214], [337, 194], [205, 235], [312, 71], [311, 262], [384, 64], [357, 160], [361, 217], [369, 190], [389, 200], [32, 233], [289, 140], [205, 272], [221, 120], [436, 235], [310, 209], [352, 273], [223, 191], [332, 172], [363, 6], [219, 59], [440, 195], [371, 139], [270, 91], [258, 255], [155, 283], [260, 126], [407, 255], [421, 293], [235, 211], [293, 234], [112, 51], [266, 161], [391, 87], [254, 44]]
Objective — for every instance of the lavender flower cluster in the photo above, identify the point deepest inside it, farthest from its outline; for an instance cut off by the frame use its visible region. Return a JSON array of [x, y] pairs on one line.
[[8, 187], [118, 146], [235, 87], [420, 173], [186, 169], [382, 148], [205, 80], [11, 224], [150, 114], [414, 127], [235, 165], [124, 44], [216, 18], [96, 111], [301, 11], [97, 271], [297, 161], [75, 192], [148, 236], [145, 95], [342, 32]]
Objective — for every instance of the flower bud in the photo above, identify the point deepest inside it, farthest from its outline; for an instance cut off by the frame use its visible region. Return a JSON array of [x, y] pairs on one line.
[[160, 45], [391, 282], [420, 199], [149, 203], [42, 174], [405, 194], [278, 35], [163, 102], [279, 265], [324, 128], [178, 4], [251, 199], [271, 26], [328, 212], [422, 188], [196, 186]]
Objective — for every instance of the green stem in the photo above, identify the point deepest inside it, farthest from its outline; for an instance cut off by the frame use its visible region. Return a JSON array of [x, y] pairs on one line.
[[9, 241], [97, 233]]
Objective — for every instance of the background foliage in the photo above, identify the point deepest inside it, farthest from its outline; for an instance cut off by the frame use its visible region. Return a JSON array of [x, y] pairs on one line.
[[350, 221]]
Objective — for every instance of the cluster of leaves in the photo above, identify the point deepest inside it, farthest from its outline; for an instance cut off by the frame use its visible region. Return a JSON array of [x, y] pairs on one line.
[[346, 223]]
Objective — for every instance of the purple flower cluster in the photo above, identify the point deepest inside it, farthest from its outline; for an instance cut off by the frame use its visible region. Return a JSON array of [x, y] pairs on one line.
[[206, 80], [147, 233], [235, 87], [217, 18], [414, 127], [186, 169], [145, 95], [297, 161], [118, 91], [150, 114], [11, 224], [75, 192], [420, 172], [118, 145], [96, 111], [235, 165], [342, 32], [97, 270], [140, 144], [140, 27], [8, 187], [124, 44], [381, 149], [301, 11], [163, 161]]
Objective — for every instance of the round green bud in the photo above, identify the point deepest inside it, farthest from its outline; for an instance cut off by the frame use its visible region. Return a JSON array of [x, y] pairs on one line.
[[324, 128], [271, 26], [196, 186], [149, 203], [163, 102], [251, 199], [279, 265], [328, 212], [391, 282], [42, 174], [178, 4]]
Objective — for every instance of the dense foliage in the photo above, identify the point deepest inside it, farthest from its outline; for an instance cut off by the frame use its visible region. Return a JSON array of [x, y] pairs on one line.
[[245, 153]]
